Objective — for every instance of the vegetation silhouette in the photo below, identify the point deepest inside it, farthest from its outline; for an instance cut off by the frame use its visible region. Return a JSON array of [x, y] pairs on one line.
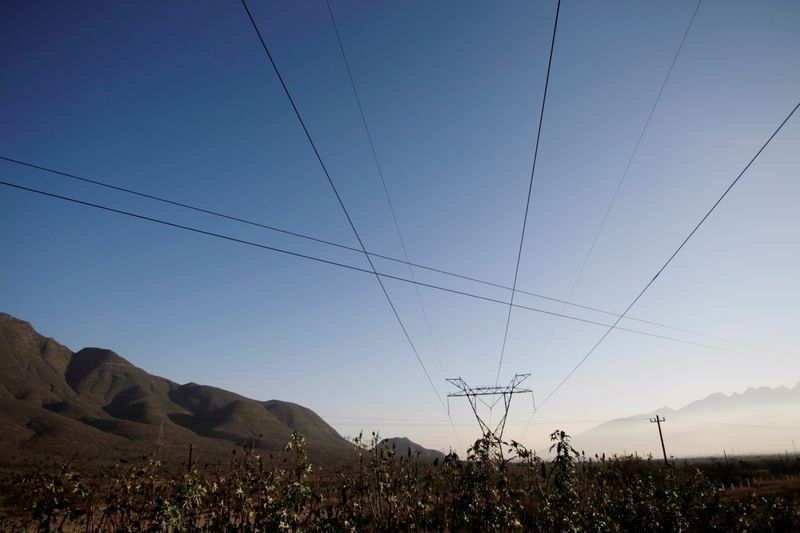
[[385, 491]]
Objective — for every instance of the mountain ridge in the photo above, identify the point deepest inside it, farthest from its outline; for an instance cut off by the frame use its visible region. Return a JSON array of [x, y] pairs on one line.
[[56, 402], [707, 426], [404, 446]]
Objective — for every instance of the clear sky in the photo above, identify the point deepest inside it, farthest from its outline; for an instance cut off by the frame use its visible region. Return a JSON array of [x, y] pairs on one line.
[[177, 99]]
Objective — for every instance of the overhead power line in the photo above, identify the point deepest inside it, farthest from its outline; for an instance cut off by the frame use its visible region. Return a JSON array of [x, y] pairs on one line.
[[432, 269], [444, 420], [379, 170], [355, 268], [625, 171], [676, 419], [339, 197], [530, 190], [671, 257], [737, 425]]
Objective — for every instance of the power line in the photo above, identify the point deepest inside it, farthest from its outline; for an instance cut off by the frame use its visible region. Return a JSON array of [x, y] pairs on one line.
[[671, 257], [379, 169], [716, 337], [530, 189], [338, 196], [732, 424], [218, 214], [443, 423], [359, 269], [676, 418], [358, 421], [627, 168]]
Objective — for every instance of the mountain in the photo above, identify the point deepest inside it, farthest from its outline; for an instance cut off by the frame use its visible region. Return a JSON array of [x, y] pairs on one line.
[[404, 446], [758, 420], [94, 403]]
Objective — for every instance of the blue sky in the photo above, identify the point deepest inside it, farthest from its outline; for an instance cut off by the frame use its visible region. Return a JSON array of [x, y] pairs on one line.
[[178, 100]]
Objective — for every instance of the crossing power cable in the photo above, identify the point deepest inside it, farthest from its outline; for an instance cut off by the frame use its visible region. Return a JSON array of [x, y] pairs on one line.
[[340, 200], [379, 170], [416, 265], [366, 421], [626, 170], [530, 189], [355, 268], [671, 257]]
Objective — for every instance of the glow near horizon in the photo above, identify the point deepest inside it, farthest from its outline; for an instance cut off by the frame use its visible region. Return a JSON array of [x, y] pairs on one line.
[[179, 101]]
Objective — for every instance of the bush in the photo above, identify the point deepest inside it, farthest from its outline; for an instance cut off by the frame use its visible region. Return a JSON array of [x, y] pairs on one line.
[[497, 487]]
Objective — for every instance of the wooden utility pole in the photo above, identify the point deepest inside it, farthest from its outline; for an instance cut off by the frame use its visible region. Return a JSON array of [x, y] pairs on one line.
[[658, 420]]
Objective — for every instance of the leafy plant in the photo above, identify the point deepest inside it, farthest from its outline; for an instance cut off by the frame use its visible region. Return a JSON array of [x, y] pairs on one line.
[[498, 486]]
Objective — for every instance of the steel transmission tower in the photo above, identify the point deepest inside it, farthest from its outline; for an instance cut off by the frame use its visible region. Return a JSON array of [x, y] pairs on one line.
[[477, 394]]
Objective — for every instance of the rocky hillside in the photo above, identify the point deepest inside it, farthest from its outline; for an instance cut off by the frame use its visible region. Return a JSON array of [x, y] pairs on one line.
[[404, 446], [94, 403]]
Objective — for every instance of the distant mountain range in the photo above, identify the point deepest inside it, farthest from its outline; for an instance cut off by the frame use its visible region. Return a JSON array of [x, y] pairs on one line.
[[759, 420], [404, 446], [56, 403]]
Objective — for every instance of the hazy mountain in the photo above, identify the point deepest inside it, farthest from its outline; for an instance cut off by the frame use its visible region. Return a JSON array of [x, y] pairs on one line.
[[759, 420], [97, 404], [402, 446]]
